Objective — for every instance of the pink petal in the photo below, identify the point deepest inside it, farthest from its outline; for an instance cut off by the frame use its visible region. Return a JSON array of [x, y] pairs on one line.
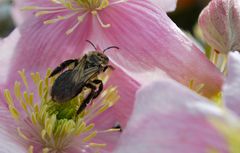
[[231, 86], [220, 24], [167, 6], [169, 118], [9, 142], [120, 112], [149, 40], [41, 47]]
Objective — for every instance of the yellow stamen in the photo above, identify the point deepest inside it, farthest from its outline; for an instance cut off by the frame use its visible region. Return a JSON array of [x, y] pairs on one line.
[[46, 150], [79, 9], [57, 124], [89, 137], [8, 97], [23, 76], [97, 145], [14, 112], [17, 90]]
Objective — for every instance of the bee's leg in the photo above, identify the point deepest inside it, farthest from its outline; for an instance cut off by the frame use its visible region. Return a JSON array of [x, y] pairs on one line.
[[63, 65], [100, 88], [88, 98], [108, 66], [86, 101], [92, 95]]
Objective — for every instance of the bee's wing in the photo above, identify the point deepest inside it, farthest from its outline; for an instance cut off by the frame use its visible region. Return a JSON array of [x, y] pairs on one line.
[[85, 74], [70, 83]]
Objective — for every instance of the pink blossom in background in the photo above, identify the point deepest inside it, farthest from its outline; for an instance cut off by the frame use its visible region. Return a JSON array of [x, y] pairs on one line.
[[170, 118], [220, 24], [147, 38]]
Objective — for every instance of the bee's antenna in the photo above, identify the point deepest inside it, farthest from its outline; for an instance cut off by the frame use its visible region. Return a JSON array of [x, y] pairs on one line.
[[110, 48], [91, 44]]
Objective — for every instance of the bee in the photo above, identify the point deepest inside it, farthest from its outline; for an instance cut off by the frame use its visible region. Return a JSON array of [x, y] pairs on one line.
[[83, 75]]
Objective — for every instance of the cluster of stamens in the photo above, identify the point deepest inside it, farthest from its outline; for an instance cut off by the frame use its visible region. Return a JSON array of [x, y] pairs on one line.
[[53, 126], [73, 9]]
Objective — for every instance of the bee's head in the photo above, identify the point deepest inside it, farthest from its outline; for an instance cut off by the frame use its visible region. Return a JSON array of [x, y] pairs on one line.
[[98, 57]]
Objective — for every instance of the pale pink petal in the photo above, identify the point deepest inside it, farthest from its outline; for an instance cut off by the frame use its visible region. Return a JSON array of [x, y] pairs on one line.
[[169, 118], [231, 88], [9, 140], [148, 39], [18, 15], [166, 5], [7, 47], [220, 24]]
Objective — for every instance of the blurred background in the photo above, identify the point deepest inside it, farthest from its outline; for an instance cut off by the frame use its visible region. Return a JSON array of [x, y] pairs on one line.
[[185, 16]]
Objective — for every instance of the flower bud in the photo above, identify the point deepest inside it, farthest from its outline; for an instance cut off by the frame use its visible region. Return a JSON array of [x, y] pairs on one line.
[[220, 24]]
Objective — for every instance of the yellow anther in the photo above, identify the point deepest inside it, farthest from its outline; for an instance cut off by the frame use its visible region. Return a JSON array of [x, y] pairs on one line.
[[88, 128], [30, 99], [8, 97], [17, 90], [97, 145], [29, 8], [80, 128], [44, 135], [40, 89], [14, 112], [25, 95], [23, 105], [103, 5], [33, 118], [23, 77], [89, 137]]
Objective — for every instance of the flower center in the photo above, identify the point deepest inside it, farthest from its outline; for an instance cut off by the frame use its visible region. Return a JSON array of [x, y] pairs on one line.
[[53, 126], [79, 9]]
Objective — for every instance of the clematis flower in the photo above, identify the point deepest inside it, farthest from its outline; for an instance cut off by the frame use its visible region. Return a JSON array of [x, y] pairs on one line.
[[185, 122], [148, 40], [50, 127], [220, 24]]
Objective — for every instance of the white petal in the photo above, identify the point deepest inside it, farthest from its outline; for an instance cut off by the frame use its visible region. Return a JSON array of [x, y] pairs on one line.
[[166, 5], [7, 47], [9, 142]]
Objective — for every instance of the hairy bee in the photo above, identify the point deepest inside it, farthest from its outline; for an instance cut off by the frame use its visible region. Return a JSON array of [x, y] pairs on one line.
[[83, 75]]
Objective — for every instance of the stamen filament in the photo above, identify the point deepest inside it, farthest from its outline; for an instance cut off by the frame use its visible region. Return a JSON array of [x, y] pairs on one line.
[[79, 20], [21, 134], [98, 145], [89, 137], [99, 20], [59, 18], [30, 149], [23, 77]]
